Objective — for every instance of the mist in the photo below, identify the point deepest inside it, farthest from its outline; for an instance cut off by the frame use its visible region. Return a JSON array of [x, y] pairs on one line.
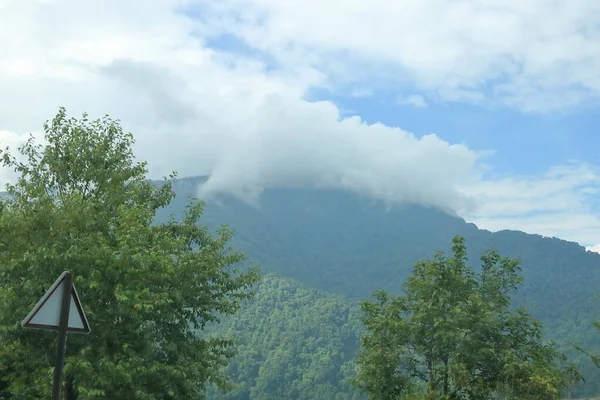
[[295, 143]]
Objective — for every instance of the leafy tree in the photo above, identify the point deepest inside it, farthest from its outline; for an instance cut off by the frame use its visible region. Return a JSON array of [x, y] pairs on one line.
[[83, 204], [293, 342], [453, 335], [594, 358]]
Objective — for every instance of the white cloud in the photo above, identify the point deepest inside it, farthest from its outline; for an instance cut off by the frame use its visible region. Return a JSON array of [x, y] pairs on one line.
[[200, 111], [558, 203], [595, 249], [534, 55], [361, 92], [414, 99], [296, 143]]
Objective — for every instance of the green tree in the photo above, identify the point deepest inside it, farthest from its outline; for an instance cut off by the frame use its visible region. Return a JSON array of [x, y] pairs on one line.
[[453, 335], [294, 342], [82, 203], [594, 358]]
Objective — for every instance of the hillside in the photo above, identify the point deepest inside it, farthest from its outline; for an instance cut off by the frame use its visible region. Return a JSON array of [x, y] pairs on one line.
[[322, 251], [340, 243], [294, 342]]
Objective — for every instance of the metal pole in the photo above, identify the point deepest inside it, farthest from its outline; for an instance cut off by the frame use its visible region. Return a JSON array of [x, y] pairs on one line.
[[62, 336]]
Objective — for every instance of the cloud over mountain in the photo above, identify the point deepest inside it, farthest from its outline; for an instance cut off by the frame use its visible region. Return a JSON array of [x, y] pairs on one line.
[[240, 113]]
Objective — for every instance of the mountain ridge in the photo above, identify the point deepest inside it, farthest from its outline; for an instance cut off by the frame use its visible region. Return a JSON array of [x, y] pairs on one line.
[[339, 243]]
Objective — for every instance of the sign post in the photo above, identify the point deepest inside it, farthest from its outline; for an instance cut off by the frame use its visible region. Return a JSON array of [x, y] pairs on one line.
[[59, 309], [62, 335]]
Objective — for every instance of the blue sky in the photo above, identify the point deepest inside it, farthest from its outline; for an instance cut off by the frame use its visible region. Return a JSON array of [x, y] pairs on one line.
[[523, 143], [486, 107]]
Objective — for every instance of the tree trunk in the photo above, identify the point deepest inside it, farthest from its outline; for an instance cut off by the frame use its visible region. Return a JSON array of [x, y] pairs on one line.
[[446, 383], [70, 393]]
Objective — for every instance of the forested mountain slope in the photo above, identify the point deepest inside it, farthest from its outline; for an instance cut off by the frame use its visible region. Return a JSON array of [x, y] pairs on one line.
[[329, 249], [294, 342], [338, 242]]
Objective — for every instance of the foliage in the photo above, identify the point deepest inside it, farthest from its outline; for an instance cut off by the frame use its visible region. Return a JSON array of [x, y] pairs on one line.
[[293, 342], [344, 244], [83, 204], [453, 336], [594, 358]]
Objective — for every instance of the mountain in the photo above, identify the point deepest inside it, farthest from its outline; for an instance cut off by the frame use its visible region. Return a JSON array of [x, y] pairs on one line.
[[323, 250], [339, 243]]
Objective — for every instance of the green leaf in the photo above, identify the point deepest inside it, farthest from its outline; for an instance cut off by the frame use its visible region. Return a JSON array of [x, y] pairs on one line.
[[82, 203]]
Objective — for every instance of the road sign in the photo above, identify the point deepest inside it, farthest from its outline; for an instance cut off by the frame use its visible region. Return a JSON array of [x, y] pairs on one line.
[[46, 313], [59, 309]]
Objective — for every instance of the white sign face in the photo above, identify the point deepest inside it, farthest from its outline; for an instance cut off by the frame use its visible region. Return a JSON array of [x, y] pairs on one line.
[[46, 313]]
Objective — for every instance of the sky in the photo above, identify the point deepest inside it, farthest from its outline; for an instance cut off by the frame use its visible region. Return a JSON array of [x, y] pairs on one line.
[[488, 108]]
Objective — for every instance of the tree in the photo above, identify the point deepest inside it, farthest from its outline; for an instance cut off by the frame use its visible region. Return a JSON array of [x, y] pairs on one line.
[[594, 358], [82, 203], [453, 335]]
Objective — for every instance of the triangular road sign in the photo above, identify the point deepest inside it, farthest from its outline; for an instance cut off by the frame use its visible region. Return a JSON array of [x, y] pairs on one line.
[[46, 313]]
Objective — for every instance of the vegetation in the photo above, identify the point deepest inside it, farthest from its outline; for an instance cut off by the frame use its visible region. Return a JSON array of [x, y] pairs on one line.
[[594, 358], [170, 302], [453, 336], [82, 204], [293, 342], [340, 243]]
